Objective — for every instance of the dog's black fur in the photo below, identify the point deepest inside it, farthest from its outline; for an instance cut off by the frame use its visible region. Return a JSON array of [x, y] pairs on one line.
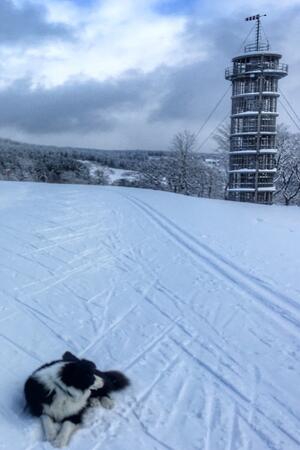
[[36, 396], [113, 380], [60, 393], [79, 374]]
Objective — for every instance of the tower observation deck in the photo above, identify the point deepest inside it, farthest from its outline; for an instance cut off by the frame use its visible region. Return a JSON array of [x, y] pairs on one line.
[[254, 76]]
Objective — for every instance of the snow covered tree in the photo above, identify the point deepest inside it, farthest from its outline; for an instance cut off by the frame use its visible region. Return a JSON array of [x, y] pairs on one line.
[[288, 166], [182, 149], [222, 138], [100, 177]]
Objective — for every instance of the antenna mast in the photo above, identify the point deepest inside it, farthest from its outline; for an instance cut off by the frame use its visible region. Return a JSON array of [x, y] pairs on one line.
[[257, 17]]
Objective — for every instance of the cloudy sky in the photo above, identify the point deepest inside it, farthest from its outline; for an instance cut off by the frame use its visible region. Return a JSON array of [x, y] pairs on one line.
[[128, 73]]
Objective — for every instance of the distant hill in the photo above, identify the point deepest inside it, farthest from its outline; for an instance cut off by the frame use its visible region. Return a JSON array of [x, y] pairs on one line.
[[10, 144]]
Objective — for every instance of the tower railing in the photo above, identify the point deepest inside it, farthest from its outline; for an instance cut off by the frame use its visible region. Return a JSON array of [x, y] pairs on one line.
[[253, 129], [261, 47], [235, 147], [250, 185], [241, 69], [254, 108], [245, 89], [252, 166]]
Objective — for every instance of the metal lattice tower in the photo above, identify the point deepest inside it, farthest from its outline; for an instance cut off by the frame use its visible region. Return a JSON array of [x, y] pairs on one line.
[[254, 76]]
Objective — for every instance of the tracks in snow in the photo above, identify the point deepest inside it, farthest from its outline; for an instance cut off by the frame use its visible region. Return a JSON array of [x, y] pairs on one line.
[[191, 377], [283, 309]]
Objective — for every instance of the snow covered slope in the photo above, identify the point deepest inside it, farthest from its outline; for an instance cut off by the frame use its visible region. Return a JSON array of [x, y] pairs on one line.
[[198, 301]]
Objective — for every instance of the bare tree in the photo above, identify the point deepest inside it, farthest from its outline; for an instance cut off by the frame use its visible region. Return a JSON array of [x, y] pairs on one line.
[[222, 138], [154, 173], [182, 149], [288, 166]]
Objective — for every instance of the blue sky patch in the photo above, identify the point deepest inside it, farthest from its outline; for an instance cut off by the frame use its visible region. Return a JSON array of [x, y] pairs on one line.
[[175, 6], [84, 3]]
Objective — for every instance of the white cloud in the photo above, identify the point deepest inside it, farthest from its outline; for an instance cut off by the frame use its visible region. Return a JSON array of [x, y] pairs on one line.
[[182, 56], [270, 7], [112, 37]]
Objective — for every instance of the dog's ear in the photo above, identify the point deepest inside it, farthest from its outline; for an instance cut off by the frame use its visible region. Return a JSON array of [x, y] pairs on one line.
[[68, 356]]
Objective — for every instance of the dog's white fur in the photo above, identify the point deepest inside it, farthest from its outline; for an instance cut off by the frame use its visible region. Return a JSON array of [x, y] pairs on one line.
[[50, 427], [58, 436], [105, 402], [66, 402]]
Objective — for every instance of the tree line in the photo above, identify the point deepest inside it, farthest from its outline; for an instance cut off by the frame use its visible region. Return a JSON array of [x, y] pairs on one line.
[[181, 169]]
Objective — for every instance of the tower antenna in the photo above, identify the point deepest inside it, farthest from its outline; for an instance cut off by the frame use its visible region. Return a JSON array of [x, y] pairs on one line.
[[257, 17]]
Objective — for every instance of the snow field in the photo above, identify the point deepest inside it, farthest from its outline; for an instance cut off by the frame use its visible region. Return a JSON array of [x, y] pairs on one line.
[[197, 301]]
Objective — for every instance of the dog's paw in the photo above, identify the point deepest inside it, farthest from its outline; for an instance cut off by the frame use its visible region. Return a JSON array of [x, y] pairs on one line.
[[58, 443], [95, 402], [51, 428], [52, 432], [107, 402], [61, 440]]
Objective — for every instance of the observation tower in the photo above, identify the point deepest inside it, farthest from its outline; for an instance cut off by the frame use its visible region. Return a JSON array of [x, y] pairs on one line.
[[254, 76]]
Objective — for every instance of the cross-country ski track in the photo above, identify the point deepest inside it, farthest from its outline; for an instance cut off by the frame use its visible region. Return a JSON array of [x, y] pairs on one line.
[[196, 300]]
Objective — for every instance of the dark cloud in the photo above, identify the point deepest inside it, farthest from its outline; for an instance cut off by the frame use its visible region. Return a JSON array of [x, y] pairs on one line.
[[79, 106], [190, 92], [27, 24], [169, 95]]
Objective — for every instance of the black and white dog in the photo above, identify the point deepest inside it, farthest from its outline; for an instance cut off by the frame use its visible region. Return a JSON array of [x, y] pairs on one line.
[[60, 393], [113, 381]]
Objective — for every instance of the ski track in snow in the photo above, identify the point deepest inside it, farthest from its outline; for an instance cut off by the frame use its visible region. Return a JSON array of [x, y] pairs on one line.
[[285, 307], [212, 350]]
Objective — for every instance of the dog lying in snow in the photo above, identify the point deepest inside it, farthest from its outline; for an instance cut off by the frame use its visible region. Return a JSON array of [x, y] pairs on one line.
[[113, 381], [61, 392]]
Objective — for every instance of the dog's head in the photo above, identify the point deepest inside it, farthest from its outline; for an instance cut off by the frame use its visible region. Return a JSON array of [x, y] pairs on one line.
[[80, 374]]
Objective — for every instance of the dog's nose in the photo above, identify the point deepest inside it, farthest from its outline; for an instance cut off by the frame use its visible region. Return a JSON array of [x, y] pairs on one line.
[[98, 383]]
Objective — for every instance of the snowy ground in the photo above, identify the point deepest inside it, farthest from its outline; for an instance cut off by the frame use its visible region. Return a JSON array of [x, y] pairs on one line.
[[112, 175], [198, 301]]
